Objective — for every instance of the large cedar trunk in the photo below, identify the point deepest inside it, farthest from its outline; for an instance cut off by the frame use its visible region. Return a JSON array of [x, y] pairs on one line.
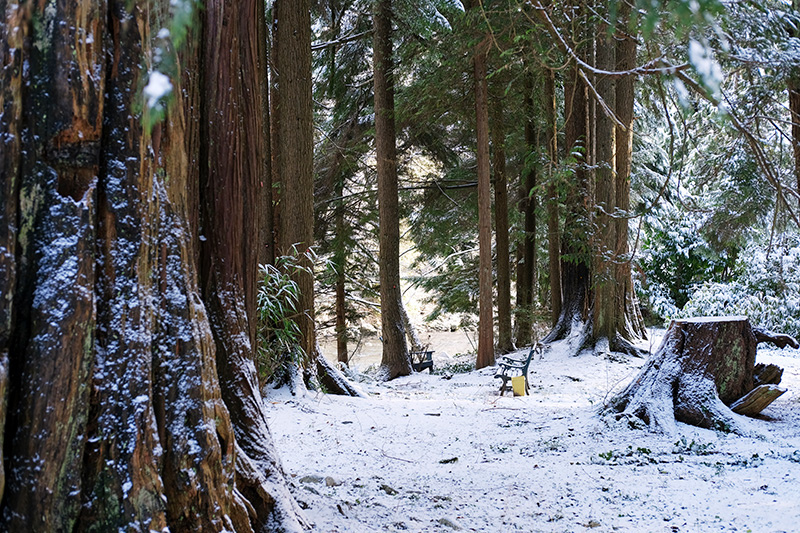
[[395, 360], [575, 268], [133, 391], [605, 236], [598, 292], [703, 366]]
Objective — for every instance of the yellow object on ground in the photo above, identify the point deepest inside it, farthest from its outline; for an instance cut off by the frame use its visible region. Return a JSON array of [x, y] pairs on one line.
[[518, 385]]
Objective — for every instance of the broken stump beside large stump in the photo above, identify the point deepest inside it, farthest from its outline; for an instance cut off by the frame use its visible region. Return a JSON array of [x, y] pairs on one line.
[[703, 366]]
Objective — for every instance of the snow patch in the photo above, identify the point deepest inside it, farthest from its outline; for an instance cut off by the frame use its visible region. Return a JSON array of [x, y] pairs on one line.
[[422, 451]]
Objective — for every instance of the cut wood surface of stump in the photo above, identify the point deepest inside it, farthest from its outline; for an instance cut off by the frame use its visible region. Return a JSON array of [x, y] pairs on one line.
[[703, 366]]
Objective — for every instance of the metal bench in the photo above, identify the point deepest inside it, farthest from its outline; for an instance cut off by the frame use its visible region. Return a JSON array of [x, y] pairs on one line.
[[422, 360], [509, 367]]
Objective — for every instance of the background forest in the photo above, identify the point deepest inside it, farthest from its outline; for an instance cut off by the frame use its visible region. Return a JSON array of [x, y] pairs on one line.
[[713, 169]]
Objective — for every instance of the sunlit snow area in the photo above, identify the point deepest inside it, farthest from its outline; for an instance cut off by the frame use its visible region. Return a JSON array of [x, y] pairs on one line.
[[445, 452]]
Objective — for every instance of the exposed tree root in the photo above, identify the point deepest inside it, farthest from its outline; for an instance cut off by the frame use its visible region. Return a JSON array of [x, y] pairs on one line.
[[334, 381]]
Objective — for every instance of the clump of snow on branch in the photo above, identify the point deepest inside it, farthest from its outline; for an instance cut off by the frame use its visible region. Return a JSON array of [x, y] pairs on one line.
[[702, 59], [157, 88]]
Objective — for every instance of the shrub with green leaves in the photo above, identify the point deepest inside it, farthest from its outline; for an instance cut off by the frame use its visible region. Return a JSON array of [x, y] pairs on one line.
[[675, 259], [279, 335], [766, 289]]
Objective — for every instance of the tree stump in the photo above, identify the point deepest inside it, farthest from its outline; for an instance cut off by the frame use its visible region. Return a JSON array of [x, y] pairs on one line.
[[702, 367]]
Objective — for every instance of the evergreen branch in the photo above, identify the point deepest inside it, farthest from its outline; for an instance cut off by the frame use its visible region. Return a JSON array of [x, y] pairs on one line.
[[752, 140]]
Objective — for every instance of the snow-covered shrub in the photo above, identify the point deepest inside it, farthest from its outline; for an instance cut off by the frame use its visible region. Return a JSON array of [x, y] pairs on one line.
[[674, 260], [766, 290]]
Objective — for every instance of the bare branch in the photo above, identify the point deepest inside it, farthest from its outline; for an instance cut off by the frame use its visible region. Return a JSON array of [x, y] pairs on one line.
[[651, 67], [342, 40]]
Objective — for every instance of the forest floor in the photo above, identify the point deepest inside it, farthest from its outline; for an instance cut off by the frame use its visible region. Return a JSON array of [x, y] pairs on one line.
[[439, 453]]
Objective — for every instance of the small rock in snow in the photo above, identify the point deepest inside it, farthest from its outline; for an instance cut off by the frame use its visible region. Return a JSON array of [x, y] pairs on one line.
[[332, 482], [311, 479], [388, 490], [449, 523]]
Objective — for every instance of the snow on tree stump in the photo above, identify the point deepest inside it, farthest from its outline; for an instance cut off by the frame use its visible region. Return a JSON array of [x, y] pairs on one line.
[[703, 366]]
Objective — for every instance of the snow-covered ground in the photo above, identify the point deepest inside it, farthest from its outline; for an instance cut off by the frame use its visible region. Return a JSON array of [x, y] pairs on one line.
[[427, 453]]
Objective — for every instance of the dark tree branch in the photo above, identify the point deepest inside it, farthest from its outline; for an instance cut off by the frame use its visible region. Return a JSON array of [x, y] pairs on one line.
[[780, 340]]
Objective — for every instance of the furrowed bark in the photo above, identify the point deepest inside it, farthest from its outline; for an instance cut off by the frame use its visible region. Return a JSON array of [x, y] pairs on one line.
[[52, 164], [395, 360], [13, 34], [116, 386], [228, 276], [123, 487]]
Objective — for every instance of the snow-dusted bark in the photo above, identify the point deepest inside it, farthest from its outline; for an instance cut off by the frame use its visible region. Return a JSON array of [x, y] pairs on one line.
[[11, 42], [133, 403]]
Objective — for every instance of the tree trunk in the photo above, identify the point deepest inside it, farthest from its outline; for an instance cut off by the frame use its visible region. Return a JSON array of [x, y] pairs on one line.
[[395, 360], [274, 132], [266, 233], [485, 317], [340, 263], [137, 390], [703, 366], [553, 238], [505, 343], [794, 108], [234, 106], [575, 261], [630, 326], [793, 86], [526, 280], [295, 152], [12, 123], [605, 238]]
